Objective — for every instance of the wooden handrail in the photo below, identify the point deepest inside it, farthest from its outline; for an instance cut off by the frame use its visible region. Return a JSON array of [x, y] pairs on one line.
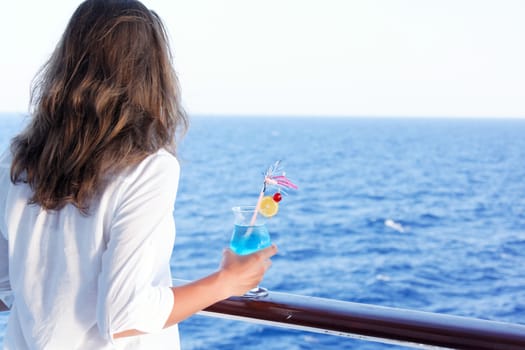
[[370, 322]]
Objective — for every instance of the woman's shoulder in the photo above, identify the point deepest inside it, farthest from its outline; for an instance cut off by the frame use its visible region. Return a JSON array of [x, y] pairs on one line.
[[159, 170], [161, 160], [159, 164], [164, 155]]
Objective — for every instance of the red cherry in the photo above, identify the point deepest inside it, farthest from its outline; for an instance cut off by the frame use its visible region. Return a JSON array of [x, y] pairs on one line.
[[277, 197]]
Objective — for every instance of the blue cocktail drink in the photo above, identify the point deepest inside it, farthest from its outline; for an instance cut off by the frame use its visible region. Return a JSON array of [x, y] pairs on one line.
[[250, 233], [249, 239], [249, 236]]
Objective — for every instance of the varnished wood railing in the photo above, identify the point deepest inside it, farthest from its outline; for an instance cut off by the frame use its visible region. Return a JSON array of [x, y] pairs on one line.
[[370, 322]]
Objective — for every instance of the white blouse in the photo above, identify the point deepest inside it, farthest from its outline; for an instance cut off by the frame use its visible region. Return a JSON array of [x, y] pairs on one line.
[[73, 280]]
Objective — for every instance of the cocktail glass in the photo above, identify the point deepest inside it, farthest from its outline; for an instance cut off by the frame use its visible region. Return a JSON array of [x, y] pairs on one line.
[[249, 237]]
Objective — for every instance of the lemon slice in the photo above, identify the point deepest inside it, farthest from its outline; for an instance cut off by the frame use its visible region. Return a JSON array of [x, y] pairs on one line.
[[268, 207]]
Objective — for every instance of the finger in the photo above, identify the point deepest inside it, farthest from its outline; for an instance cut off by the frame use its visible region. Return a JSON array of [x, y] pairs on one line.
[[267, 253], [267, 264], [228, 253]]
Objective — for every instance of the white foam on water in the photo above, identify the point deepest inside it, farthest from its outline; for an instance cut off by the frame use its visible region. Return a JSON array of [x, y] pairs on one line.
[[394, 225]]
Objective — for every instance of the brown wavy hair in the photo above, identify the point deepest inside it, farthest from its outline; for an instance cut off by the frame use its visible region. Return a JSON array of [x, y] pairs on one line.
[[107, 98]]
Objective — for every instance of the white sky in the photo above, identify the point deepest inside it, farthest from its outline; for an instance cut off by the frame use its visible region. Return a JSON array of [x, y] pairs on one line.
[[311, 57]]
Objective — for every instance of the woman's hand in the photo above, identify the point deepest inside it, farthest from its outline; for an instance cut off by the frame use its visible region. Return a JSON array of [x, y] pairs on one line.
[[240, 273]]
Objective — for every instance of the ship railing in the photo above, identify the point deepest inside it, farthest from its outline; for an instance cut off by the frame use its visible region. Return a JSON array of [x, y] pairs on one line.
[[409, 328]]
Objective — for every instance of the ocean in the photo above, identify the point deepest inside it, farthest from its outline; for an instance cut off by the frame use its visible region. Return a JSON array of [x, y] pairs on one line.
[[416, 213]]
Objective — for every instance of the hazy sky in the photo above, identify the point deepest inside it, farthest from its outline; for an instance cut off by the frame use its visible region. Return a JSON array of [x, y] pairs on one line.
[[312, 57]]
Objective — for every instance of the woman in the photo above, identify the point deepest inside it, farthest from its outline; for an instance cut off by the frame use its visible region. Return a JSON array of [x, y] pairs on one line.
[[87, 191]]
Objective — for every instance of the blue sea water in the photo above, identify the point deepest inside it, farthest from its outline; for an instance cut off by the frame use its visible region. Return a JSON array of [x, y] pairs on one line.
[[426, 214]]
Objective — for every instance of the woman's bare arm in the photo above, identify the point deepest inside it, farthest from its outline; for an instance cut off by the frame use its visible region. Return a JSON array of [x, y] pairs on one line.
[[236, 276]]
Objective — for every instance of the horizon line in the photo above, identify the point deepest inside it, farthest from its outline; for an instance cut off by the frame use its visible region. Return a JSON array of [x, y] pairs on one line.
[[318, 116]]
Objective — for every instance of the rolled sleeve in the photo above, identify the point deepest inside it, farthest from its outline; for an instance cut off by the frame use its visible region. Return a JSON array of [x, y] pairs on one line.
[[134, 283]]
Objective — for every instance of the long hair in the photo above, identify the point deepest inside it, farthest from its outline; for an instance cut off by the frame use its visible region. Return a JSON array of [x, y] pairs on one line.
[[107, 98]]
